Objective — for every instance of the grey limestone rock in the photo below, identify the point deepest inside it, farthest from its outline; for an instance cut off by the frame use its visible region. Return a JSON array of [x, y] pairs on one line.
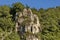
[[26, 21]]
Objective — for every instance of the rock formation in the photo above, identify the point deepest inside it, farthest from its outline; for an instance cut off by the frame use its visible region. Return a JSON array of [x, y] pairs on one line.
[[27, 22]]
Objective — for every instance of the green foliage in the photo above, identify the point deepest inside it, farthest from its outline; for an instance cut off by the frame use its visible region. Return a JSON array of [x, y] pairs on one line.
[[18, 7], [13, 36], [7, 25], [4, 11], [50, 26]]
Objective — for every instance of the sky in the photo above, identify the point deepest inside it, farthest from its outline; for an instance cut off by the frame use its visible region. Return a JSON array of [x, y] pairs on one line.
[[33, 3]]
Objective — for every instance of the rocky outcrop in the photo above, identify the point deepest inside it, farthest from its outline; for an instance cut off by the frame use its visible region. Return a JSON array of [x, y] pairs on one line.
[[26, 21]]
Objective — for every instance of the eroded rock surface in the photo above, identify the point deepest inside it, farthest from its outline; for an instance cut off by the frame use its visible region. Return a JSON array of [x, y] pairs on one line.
[[26, 21]]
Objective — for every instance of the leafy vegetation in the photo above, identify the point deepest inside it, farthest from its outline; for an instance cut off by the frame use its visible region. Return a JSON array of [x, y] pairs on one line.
[[49, 20]]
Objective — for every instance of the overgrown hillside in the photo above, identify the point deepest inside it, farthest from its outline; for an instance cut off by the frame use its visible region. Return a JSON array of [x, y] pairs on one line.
[[49, 20]]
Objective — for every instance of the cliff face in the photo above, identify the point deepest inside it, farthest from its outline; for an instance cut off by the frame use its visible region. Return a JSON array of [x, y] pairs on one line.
[[26, 21]]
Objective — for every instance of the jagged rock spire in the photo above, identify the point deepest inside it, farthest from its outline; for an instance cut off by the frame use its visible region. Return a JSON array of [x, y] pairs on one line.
[[27, 22]]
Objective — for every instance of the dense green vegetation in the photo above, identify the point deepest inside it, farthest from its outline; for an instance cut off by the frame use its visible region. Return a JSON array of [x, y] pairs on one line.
[[49, 20]]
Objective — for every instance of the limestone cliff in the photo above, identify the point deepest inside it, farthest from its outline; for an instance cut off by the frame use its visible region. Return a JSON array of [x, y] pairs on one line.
[[26, 21]]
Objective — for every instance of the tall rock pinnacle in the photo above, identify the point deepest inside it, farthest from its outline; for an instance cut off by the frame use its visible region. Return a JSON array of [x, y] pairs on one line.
[[27, 24]]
